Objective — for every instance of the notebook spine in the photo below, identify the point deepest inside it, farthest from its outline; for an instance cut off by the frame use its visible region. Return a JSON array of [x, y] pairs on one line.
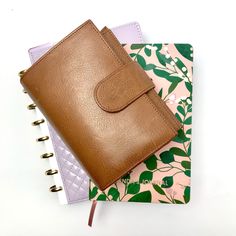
[[39, 122]]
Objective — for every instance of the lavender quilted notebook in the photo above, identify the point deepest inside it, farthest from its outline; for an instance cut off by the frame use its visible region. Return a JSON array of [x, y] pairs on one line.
[[72, 179]]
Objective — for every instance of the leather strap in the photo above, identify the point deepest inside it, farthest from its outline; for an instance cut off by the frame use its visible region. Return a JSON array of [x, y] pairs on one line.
[[122, 87], [91, 214]]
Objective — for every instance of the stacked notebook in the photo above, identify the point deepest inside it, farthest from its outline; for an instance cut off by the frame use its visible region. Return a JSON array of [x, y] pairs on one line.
[[165, 176]]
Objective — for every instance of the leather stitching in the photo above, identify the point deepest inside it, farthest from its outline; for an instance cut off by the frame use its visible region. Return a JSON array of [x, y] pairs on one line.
[[155, 108], [163, 105], [118, 43]]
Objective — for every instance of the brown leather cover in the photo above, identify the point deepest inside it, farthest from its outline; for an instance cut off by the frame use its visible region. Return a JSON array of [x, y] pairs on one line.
[[101, 103]]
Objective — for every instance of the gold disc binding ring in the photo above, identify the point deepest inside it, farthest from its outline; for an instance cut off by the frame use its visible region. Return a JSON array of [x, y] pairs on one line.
[[55, 188], [51, 172], [41, 139], [47, 155], [38, 122], [31, 106], [21, 73]]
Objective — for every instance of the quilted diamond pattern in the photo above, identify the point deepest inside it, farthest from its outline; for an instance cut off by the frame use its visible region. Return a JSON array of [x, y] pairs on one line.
[[75, 180]]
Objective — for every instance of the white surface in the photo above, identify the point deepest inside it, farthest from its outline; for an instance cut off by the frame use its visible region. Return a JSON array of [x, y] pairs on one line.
[[27, 208]]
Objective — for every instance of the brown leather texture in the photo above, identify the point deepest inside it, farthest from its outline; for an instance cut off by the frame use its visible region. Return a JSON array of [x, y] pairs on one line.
[[101, 103]]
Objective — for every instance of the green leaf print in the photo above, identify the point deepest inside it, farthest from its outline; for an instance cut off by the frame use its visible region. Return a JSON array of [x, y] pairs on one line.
[[188, 121], [189, 131], [160, 92], [167, 182], [149, 67], [158, 189], [133, 188], [137, 46], [176, 201], [161, 73], [145, 177], [167, 157], [179, 152], [187, 194], [187, 173], [161, 201], [189, 149], [102, 197], [151, 162], [174, 79], [181, 110], [178, 117], [186, 164], [147, 51], [189, 109], [186, 50], [189, 87], [181, 66], [158, 46], [93, 192], [141, 61], [161, 58], [114, 193], [145, 196], [132, 54], [172, 87], [181, 137]]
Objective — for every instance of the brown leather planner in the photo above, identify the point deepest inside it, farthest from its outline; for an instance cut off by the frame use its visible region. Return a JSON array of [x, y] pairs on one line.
[[101, 103]]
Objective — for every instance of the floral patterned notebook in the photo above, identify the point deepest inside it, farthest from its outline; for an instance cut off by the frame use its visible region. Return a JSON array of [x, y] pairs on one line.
[[165, 176]]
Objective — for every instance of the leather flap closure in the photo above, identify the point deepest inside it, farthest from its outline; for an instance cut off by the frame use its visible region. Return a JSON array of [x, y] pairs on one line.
[[122, 87]]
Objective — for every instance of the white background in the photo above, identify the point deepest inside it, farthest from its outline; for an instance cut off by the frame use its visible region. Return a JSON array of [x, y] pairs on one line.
[[27, 208]]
